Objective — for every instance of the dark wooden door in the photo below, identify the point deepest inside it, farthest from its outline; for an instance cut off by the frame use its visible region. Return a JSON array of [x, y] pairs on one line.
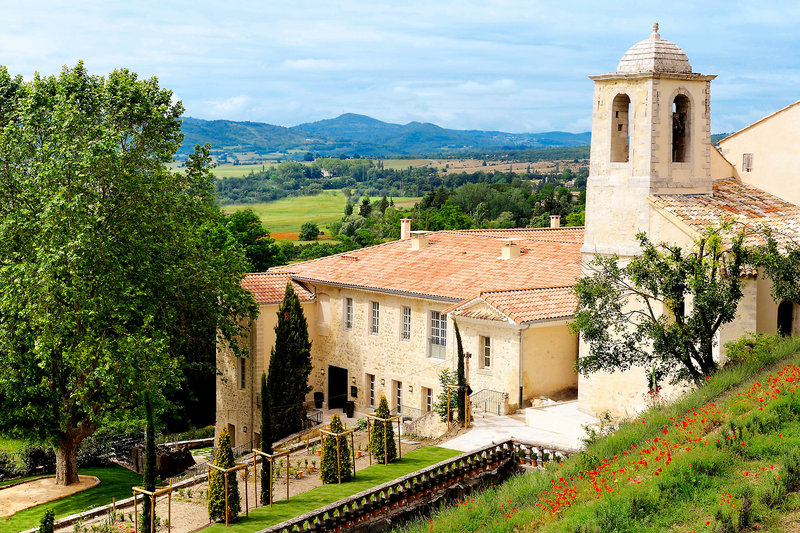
[[337, 387]]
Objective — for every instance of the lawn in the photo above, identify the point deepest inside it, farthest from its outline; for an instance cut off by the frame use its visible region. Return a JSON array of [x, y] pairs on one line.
[[115, 482], [321, 496], [288, 214], [723, 458]]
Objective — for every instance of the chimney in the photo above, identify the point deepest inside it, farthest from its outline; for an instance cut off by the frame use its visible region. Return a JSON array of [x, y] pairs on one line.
[[405, 229], [509, 250], [555, 221], [419, 241]]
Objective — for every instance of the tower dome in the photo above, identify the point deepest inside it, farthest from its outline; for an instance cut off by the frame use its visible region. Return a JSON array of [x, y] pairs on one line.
[[654, 55]]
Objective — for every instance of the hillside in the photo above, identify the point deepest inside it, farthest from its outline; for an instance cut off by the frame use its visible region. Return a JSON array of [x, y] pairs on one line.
[[351, 134], [725, 457]]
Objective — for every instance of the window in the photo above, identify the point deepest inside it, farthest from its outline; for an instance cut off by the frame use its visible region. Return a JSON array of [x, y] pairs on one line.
[[620, 138], [486, 352], [438, 339], [375, 318], [427, 395], [371, 389], [398, 396], [242, 373], [405, 329], [747, 162], [348, 313], [680, 129]]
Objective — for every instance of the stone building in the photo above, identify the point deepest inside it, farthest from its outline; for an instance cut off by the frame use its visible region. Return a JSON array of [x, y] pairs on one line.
[[381, 317], [381, 321], [654, 170]]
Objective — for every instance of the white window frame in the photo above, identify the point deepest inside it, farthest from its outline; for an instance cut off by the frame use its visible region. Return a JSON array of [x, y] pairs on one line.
[[485, 352], [398, 397], [427, 398], [437, 341], [371, 389], [747, 162], [348, 314], [405, 324], [374, 318]]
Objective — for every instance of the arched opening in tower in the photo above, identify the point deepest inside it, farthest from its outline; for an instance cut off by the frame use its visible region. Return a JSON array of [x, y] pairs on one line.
[[620, 136], [680, 129]]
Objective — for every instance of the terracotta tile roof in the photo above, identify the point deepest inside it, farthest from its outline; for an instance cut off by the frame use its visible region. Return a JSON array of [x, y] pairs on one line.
[[270, 287], [522, 305], [565, 234], [747, 206], [455, 265]]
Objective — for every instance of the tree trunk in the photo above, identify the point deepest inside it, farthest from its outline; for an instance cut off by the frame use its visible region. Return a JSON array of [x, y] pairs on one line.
[[67, 460]]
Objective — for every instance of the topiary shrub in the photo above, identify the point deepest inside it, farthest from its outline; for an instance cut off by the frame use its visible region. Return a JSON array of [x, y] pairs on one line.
[[377, 443], [47, 523], [223, 458], [331, 468], [266, 439]]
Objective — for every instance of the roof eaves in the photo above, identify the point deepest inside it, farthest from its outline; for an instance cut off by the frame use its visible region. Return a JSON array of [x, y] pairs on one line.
[[378, 289]]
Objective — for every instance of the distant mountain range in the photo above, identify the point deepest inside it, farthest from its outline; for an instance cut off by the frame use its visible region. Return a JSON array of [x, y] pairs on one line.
[[358, 134]]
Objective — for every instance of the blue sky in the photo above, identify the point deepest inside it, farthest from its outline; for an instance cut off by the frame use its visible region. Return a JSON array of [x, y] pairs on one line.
[[509, 65]]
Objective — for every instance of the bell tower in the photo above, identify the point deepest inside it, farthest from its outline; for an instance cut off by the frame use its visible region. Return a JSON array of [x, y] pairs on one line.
[[650, 135]]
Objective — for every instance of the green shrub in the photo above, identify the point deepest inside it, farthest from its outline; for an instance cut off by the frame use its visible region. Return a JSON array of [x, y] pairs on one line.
[[8, 467], [93, 451], [47, 523], [377, 442], [330, 469], [750, 346], [216, 483], [38, 458], [446, 377]]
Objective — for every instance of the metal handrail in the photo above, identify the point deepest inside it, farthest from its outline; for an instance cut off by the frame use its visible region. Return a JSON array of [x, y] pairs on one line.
[[488, 400]]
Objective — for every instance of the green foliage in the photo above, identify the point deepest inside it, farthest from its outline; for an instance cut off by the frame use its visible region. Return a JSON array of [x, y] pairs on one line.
[[114, 270], [289, 367], [751, 345], [266, 439], [309, 232], [676, 344], [461, 379], [382, 447], [260, 249], [331, 467], [149, 474], [446, 377], [47, 524], [216, 483]]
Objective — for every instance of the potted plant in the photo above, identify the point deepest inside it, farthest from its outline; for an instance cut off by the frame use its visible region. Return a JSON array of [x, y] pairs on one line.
[[359, 452], [313, 466]]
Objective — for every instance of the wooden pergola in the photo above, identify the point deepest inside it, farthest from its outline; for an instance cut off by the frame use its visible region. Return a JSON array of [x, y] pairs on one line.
[[386, 421], [271, 458], [152, 495], [467, 413], [225, 471], [343, 433]]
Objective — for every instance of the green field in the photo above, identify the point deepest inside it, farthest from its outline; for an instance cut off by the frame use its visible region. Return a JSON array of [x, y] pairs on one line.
[[239, 171], [115, 482], [321, 496], [288, 214]]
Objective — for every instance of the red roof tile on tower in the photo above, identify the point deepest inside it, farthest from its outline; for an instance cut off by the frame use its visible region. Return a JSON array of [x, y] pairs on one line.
[[748, 207]]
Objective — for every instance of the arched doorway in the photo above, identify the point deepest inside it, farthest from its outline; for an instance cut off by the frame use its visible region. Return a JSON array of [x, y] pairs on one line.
[[785, 318]]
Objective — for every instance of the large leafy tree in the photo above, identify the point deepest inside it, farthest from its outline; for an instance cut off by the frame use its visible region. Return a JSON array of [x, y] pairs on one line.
[[289, 366], [260, 248], [662, 310], [110, 264]]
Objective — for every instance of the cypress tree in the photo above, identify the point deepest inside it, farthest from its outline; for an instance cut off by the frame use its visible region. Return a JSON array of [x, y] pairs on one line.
[[460, 378], [330, 467], [223, 458], [149, 474], [266, 439], [289, 367], [376, 439]]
